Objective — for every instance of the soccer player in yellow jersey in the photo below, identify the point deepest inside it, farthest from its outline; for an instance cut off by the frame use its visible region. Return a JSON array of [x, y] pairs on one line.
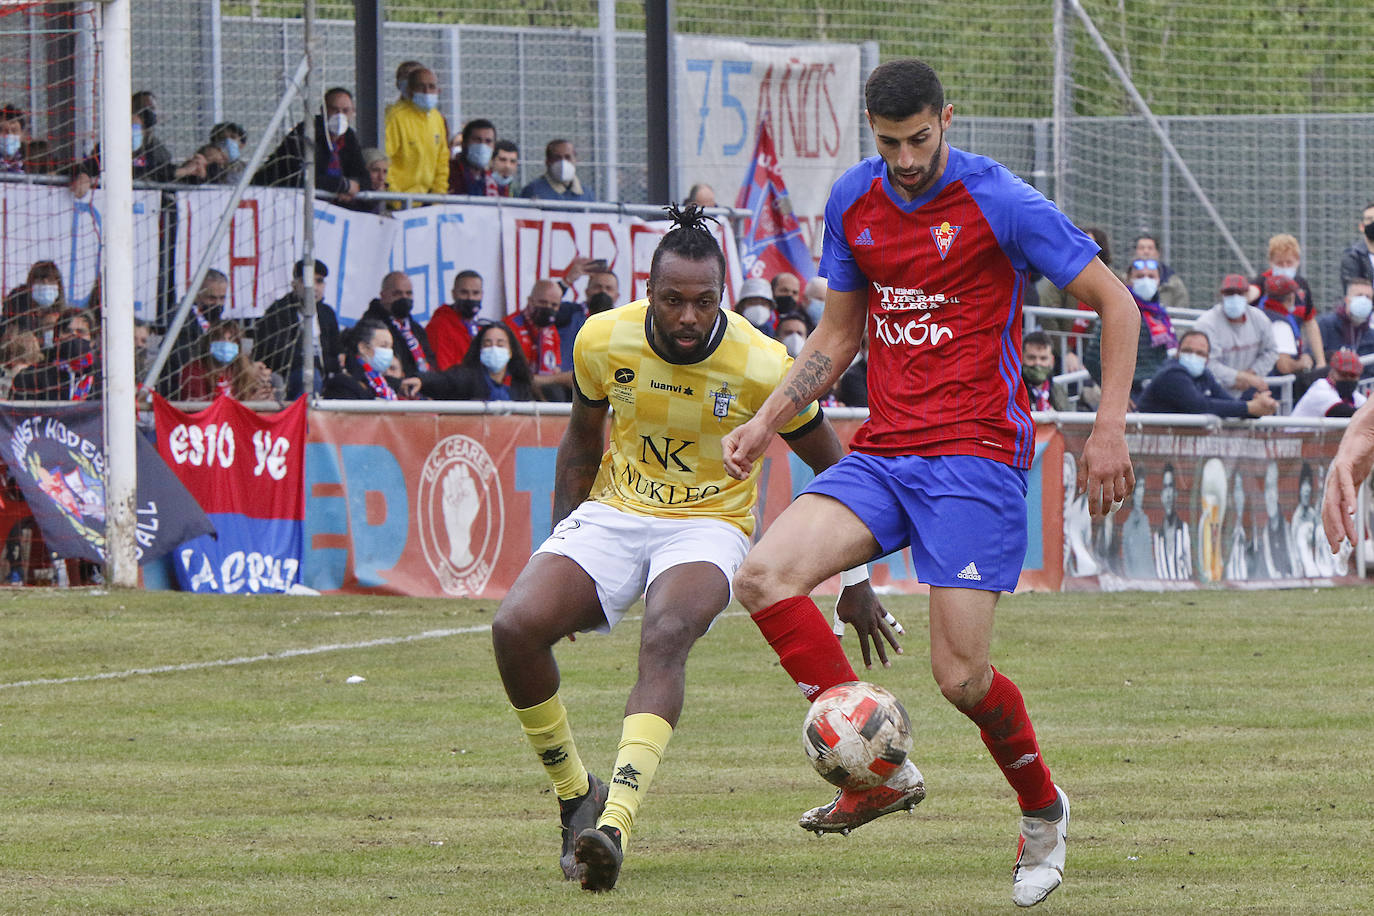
[[655, 514]]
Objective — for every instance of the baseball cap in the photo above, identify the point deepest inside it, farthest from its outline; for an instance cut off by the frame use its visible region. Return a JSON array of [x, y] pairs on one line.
[[1346, 362], [755, 288], [1234, 283], [1276, 286]]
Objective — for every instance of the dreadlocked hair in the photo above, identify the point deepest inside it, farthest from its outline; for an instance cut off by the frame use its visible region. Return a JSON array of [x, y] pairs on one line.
[[689, 238]]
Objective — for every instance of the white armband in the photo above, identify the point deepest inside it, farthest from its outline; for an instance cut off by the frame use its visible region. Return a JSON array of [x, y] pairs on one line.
[[854, 576]]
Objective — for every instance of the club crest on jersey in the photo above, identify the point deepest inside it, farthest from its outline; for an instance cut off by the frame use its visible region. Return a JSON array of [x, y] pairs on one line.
[[722, 397], [944, 237]]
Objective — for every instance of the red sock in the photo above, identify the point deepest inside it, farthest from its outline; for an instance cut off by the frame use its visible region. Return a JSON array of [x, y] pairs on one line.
[[1010, 738], [807, 648]]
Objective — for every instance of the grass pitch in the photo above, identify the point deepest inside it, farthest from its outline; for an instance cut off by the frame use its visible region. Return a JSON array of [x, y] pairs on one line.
[[162, 753]]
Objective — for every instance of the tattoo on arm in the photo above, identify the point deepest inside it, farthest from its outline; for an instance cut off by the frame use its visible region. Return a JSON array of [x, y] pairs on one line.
[[809, 380]]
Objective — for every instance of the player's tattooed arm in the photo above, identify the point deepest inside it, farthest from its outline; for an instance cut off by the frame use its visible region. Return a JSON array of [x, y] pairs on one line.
[[810, 380], [579, 457]]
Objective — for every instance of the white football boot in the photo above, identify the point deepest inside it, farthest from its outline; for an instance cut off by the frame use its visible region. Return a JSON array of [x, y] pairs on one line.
[[1039, 865]]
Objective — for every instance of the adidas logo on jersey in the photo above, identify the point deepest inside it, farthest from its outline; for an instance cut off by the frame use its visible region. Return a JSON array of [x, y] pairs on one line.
[[865, 237], [970, 572]]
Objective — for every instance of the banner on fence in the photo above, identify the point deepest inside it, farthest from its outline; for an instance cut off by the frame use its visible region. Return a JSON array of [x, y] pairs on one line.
[[45, 223], [57, 456], [246, 471], [435, 506], [1209, 509], [808, 94]]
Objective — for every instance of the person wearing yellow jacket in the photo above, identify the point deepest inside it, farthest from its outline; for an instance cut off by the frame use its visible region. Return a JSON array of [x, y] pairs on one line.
[[416, 139]]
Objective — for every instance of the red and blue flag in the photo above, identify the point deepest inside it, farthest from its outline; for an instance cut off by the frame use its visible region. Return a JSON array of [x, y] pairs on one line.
[[770, 240]]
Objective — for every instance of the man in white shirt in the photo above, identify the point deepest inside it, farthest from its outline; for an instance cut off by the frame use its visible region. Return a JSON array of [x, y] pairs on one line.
[[1334, 395]]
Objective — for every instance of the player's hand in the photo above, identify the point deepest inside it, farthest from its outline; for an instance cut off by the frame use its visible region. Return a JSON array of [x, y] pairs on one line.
[[743, 445], [1105, 473], [1338, 505], [859, 606]]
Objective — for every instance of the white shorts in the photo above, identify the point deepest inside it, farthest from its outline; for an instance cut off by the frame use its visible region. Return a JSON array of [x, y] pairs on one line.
[[624, 553]]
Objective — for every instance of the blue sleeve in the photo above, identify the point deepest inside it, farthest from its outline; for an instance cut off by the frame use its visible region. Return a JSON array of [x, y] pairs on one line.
[[837, 265], [1031, 229]]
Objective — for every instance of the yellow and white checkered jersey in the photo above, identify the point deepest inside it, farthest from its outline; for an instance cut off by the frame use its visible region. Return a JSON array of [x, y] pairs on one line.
[[668, 418]]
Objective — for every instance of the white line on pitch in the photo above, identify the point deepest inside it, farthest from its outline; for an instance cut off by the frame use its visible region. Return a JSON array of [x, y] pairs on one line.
[[250, 659]]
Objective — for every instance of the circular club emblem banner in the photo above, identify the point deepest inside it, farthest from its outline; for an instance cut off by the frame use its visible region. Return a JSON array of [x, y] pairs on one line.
[[461, 515]]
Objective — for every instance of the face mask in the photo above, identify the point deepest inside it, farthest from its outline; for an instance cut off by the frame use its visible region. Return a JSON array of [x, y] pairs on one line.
[[563, 171], [1346, 388], [1289, 272], [494, 359], [502, 181], [149, 118], [479, 155], [1145, 287], [428, 101], [1193, 363], [1359, 309], [338, 124], [542, 318], [1233, 306], [1369, 232], [468, 308], [231, 149], [814, 308], [136, 133], [43, 294], [380, 360], [1036, 375], [599, 302], [224, 351], [400, 308], [794, 344], [47, 339], [9, 145], [785, 304], [757, 315]]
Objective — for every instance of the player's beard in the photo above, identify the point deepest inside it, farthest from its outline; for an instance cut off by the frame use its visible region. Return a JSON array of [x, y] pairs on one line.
[[928, 173]]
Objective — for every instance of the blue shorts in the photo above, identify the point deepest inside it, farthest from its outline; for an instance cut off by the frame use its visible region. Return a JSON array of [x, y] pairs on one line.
[[964, 517]]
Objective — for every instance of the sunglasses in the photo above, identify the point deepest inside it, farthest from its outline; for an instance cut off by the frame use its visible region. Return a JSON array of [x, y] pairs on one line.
[[1145, 264]]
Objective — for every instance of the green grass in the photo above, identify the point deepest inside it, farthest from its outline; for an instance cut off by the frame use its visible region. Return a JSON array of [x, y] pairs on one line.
[[1216, 747]]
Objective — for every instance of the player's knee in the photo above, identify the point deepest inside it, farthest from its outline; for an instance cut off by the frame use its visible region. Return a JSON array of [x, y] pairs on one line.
[[512, 630], [755, 584], [963, 685], [666, 643]]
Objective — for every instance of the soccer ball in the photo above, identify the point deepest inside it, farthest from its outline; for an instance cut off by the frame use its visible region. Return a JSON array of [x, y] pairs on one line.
[[856, 735]]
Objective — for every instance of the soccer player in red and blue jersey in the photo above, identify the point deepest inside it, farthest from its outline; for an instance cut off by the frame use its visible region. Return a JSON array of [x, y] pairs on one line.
[[931, 248]]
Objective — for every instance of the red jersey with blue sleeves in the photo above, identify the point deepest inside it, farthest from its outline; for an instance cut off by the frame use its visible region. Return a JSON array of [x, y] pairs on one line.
[[946, 276]]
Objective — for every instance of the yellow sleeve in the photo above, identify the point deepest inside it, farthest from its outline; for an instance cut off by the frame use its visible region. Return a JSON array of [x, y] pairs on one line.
[[589, 362], [398, 177]]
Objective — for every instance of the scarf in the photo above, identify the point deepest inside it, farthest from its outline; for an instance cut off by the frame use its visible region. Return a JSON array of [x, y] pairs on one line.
[[82, 378], [413, 344], [1040, 396], [378, 383], [1157, 321], [544, 354]]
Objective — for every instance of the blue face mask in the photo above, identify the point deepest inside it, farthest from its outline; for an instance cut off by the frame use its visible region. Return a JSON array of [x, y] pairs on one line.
[[814, 308], [495, 359], [380, 360], [479, 155], [1193, 363], [136, 131], [9, 145], [231, 149], [427, 101], [224, 351]]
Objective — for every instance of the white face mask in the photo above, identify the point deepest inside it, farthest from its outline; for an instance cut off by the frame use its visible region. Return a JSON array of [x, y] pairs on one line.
[[794, 344], [1145, 287], [494, 359], [757, 315], [338, 124], [1233, 306], [1193, 363], [1359, 309], [563, 171], [44, 294], [1289, 272]]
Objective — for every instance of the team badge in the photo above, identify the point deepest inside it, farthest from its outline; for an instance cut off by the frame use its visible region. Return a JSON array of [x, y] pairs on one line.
[[944, 237], [722, 397]]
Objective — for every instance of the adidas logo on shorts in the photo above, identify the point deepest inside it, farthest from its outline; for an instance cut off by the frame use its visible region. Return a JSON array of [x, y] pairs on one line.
[[970, 572]]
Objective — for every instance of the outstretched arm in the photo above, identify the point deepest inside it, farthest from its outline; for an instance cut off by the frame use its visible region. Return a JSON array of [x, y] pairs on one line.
[[822, 361], [1105, 472], [579, 456], [1351, 466]]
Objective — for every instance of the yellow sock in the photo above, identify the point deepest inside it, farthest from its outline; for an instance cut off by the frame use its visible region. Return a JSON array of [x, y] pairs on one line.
[[642, 741], [546, 727]]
